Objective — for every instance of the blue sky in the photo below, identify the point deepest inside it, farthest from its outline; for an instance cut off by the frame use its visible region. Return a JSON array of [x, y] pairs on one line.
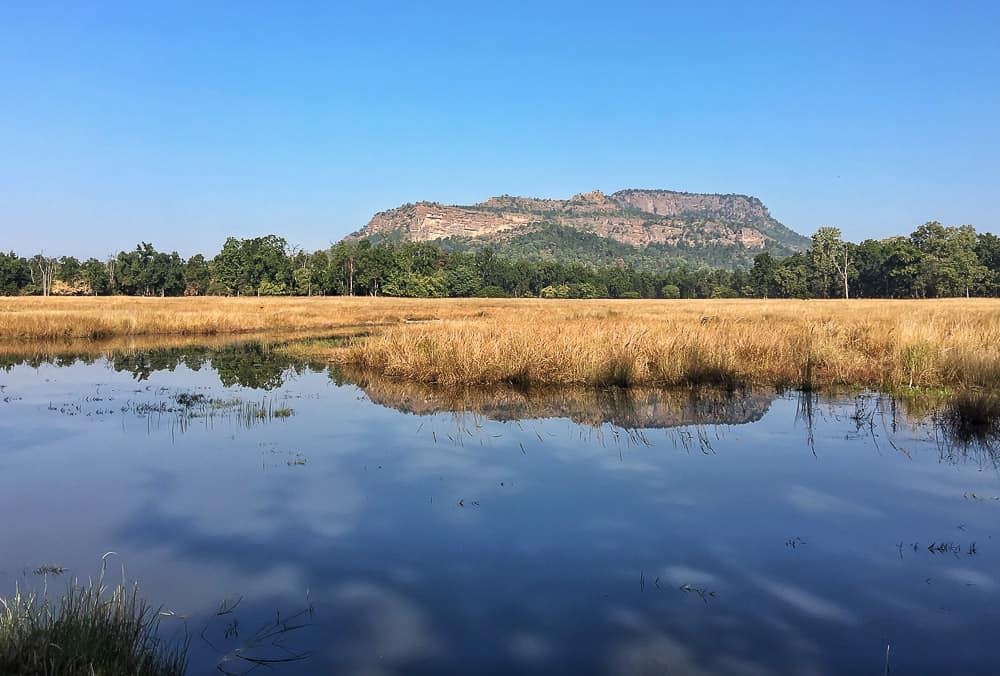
[[181, 123]]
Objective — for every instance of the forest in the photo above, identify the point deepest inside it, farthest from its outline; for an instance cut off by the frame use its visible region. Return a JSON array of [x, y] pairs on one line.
[[935, 261]]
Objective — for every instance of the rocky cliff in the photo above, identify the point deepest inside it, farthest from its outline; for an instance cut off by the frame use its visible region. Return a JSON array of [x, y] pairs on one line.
[[639, 219]]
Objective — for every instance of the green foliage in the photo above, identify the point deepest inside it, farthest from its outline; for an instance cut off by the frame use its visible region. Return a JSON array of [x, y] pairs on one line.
[[14, 274], [197, 276], [948, 265], [935, 261], [670, 291], [271, 288], [560, 291], [70, 270], [95, 274], [463, 280], [254, 266], [491, 292], [147, 272]]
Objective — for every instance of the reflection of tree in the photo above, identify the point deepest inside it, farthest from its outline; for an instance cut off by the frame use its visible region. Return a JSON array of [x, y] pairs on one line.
[[248, 365], [142, 364], [251, 364]]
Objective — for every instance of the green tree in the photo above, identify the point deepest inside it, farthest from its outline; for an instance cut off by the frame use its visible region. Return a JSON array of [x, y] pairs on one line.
[[762, 275], [95, 274], [670, 291], [988, 253], [463, 280], [948, 264], [831, 265], [70, 271], [197, 276], [14, 274]]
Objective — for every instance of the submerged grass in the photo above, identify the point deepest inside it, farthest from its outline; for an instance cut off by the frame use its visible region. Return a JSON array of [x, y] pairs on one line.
[[91, 630]]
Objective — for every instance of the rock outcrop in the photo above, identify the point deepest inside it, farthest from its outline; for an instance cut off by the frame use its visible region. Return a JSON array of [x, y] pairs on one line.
[[638, 218]]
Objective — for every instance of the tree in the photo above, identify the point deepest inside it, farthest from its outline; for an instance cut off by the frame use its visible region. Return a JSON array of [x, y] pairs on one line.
[[762, 274], [988, 253], [792, 277], [69, 270], [43, 270], [243, 265], [148, 272], [830, 260], [15, 274], [197, 276], [968, 269], [670, 291], [95, 274], [948, 263], [463, 280], [228, 266]]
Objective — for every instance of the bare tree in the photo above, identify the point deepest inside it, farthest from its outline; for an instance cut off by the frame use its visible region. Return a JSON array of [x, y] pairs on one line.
[[43, 271], [842, 268]]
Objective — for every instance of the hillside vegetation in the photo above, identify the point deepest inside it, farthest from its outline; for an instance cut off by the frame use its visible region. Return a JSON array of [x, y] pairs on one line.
[[648, 229]]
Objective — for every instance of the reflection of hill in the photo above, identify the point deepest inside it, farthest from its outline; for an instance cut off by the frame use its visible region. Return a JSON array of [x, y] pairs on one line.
[[636, 408]]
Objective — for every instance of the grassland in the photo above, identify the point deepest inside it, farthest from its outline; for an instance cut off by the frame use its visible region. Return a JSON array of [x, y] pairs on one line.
[[945, 344], [98, 318]]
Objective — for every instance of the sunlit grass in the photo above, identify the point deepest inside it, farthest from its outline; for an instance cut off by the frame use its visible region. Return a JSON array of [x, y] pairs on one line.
[[800, 344], [101, 318], [887, 344]]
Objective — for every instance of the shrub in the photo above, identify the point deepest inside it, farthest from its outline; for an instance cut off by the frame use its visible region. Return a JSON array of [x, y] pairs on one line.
[[491, 292]]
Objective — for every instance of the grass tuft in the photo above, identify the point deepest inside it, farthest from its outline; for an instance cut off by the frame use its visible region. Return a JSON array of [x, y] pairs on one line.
[[91, 630]]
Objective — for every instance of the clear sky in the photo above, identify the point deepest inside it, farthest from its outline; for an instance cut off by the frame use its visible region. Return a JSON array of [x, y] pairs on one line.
[[181, 123]]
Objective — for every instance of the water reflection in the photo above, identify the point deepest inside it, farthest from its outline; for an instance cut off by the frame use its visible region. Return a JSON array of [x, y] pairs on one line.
[[249, 364], [556, 531], [629, 408]]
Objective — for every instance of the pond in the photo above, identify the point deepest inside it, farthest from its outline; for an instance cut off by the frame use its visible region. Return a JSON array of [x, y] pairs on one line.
[[335, 523]]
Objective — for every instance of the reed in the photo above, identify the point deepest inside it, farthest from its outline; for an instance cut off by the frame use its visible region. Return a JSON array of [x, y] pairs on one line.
[[91, 630]]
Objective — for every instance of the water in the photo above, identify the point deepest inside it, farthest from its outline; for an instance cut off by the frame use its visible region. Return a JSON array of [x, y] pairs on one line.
[[386, 529]]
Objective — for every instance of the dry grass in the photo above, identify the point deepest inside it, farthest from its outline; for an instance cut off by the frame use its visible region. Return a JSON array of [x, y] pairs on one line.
[[886, 344], [787, 343], [89, 318]]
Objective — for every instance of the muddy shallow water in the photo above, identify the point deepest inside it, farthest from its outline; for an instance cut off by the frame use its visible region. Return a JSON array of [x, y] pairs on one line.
[[382, 528]]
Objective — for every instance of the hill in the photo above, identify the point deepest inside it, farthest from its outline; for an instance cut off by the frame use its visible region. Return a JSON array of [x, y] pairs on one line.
[[647, 228]]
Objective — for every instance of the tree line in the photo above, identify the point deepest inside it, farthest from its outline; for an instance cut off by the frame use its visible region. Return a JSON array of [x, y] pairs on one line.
[[934, 261]]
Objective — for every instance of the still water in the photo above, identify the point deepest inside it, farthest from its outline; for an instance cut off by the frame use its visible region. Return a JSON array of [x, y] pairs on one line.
[[286, 513]]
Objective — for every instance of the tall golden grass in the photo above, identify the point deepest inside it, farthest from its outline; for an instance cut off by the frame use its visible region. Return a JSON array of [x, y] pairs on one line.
[[888, 344], [95, 318], [885, 344]]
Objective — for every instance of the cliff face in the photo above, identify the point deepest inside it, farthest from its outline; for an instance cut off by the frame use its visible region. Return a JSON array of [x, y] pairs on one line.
[[669, 203], [637, 218]]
